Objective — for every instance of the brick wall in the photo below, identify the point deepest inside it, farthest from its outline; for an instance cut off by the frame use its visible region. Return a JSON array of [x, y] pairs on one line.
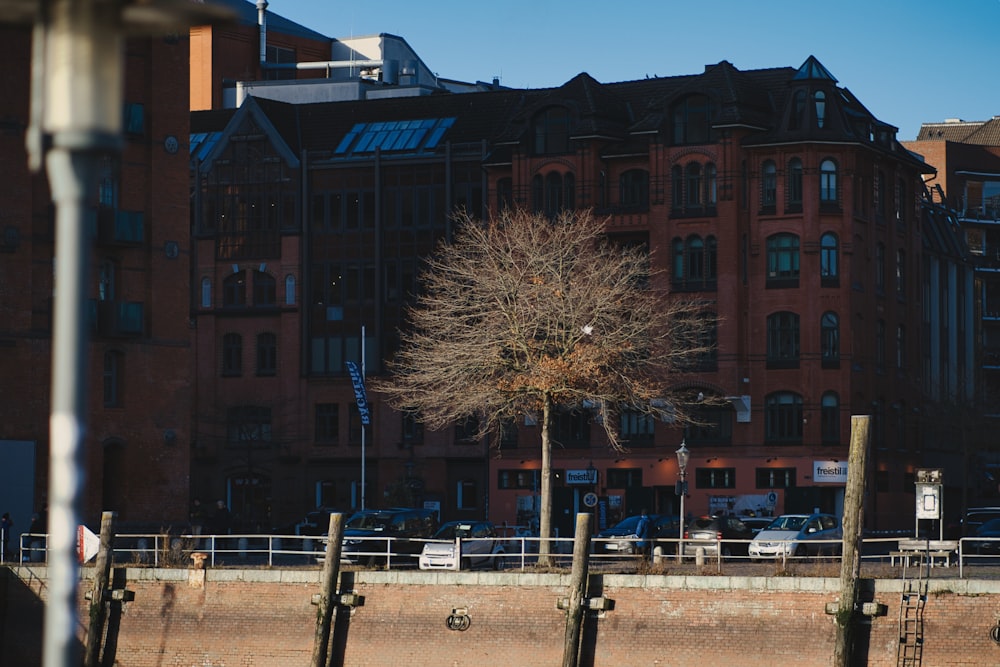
[[265, 618]]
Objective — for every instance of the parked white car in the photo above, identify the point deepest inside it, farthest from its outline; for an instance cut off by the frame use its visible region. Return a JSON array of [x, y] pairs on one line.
[[460, 545], [798, 535]]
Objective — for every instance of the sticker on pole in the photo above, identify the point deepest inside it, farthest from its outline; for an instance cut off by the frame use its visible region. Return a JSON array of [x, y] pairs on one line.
[[87, 544]]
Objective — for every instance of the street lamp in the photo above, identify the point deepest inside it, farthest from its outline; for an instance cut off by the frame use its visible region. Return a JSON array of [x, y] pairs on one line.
[[683, 455], [77, 77]]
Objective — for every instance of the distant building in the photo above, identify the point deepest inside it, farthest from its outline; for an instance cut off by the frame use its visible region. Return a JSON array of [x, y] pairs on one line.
[[966, 157]]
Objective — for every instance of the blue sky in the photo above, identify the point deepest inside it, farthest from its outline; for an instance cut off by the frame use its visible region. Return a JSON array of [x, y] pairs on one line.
[[908, 62]]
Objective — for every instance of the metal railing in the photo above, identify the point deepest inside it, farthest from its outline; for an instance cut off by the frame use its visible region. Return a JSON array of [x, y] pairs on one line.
[[520, 552]]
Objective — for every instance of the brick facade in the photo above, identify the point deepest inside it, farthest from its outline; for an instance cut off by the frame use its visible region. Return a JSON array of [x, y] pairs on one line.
[[265, 618]]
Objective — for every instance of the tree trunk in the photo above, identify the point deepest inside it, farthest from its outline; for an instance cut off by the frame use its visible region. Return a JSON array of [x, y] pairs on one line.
[[853, 524], [545, 511]]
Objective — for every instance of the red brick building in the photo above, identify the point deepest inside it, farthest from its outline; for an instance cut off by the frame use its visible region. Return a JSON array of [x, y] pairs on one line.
[[772, 194], [140, 355]]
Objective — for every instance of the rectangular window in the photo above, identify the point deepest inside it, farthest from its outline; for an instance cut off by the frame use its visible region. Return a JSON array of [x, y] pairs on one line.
[[715, 478], [267, 354], [248, 426], [624, 478], [327, 424], [519, 479], [775, 478], [636, 428]]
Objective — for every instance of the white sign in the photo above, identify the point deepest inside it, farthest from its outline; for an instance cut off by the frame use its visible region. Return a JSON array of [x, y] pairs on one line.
[[87, 544], [585, 476], [830, 472]]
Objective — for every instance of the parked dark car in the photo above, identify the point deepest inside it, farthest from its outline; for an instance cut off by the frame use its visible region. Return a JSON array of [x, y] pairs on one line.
[[991, 531], [714, 532], [757, 523], [316, 522], [365, 534], [976, 517], [621, 538]]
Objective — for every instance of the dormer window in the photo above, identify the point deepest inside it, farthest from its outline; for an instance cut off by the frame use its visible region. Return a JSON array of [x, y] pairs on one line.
[[820, 98], [692, 120], [552, 131]]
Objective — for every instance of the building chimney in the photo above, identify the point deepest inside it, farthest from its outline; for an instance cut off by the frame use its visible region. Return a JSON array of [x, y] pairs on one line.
[[262, 22]]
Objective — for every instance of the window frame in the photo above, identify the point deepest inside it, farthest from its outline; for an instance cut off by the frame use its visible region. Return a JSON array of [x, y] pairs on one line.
[[783, 412], [783, 260], [783, 339]]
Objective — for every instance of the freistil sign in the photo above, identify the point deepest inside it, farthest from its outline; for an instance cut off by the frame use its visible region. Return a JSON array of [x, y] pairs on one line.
[[830, 472], [585, 476]]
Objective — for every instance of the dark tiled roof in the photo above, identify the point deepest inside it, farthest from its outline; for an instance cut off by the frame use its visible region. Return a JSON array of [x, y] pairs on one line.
[[621, 111], [956, 131]]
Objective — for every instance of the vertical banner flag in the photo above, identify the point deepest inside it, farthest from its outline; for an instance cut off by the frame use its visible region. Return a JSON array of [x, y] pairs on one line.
[[359, 392]]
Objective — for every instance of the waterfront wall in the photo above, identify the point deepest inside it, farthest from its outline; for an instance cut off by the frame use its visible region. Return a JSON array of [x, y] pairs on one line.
[[265, 618]]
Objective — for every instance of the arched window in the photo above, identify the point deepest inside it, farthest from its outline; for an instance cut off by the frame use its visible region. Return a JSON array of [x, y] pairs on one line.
[[820, 98], [712, 423], [234, 290], [634, 188], [695, 263], [829, 343], [289, 290], [551, 131], [537, 194], [553, 193], [768, 185], [783, 260], [206, 293], [782, 340], [692, 180], [829, 270], [830, 419], [828, 182], [264, 289], [793, 188], [783, 418], [679, 263], [711, 185]]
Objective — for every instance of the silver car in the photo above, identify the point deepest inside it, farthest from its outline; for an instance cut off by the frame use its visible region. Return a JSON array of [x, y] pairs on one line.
[[798, 535], [460, 545]]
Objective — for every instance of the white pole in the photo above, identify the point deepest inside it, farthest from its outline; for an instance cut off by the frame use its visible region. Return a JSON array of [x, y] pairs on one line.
[[363, 485]]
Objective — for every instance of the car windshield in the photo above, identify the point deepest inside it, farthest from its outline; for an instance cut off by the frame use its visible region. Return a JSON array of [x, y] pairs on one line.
[[788, 523], [991, 526], [369, 521], [453, 530]]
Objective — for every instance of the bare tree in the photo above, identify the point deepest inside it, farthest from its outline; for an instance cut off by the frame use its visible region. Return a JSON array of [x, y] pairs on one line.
[[522, 315]]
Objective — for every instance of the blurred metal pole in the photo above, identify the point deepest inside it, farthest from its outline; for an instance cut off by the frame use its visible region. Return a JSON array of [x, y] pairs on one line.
[[76, 119]]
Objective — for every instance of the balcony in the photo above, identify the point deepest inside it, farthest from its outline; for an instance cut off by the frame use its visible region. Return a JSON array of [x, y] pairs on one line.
[[116, 318]]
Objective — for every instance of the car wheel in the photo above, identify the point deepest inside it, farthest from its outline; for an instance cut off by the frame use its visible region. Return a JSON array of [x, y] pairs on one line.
[[500, 561], [727, 552]]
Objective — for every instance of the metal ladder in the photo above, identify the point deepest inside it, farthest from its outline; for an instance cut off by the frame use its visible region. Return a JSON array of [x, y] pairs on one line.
[[911, 612]]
